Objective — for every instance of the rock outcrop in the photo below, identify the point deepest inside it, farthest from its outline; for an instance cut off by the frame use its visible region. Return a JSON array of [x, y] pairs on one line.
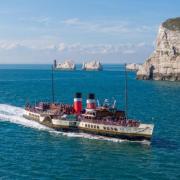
[[66, 65], [92, 66], [164, 63], [133, 67]]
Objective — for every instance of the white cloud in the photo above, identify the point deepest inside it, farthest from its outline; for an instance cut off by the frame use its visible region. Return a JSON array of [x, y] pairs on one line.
[[126, 48], [44, 52], [113, 27], [61, 47], [40, 20], [129, 51], [102, 26], [43, 20], [5, 45], [73, 21]]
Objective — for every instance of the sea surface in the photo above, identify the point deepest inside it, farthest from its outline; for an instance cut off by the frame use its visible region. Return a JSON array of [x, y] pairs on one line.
[[29, 150]]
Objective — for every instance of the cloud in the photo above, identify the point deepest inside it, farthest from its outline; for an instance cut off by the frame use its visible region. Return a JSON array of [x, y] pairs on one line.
[[5, 45], [102, 26], [61, 47], [113, 27], [73, 21], [28, 51], [130, 51], [39, 45], [44, 20]]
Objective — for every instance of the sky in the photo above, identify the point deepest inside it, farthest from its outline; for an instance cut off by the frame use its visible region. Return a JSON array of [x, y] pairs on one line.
[[112, 31]]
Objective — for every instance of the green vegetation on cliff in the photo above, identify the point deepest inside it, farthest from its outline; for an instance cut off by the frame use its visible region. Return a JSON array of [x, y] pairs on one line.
[[172, 24]]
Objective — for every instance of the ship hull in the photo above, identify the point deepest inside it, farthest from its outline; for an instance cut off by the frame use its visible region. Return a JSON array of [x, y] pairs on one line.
[[127, 136], [128, 133], [140, 133], [57, 127]]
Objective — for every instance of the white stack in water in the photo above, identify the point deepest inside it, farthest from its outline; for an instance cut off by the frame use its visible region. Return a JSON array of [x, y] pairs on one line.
[[92, 65], [66, 65], [133, 67]]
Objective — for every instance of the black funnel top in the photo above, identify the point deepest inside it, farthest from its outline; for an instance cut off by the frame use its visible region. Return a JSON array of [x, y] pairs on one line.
[[91, 96], [78, 95]]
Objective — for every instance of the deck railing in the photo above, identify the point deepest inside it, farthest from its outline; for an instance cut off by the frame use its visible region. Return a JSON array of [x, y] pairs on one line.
[[106, 121]]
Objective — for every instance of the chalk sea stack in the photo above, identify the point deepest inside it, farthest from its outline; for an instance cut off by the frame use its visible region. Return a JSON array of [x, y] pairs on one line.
[[164, 63], [133, 67], [92, 66]]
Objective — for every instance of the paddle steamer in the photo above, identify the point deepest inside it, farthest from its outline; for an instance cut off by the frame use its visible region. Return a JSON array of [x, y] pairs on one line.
[[104, 120]]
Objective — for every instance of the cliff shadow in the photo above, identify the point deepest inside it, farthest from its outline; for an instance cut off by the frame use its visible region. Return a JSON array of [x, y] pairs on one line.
[[151, 72]]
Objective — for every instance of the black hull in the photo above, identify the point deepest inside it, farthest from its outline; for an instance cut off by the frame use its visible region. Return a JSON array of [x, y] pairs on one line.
[[66, 129], [131, 137], [109, 135]]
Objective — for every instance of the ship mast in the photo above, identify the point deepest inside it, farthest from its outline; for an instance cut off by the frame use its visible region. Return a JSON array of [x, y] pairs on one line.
[[52, 83], [126, 93]]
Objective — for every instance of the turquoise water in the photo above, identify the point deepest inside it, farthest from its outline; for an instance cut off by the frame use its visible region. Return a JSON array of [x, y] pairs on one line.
[[29, 150]]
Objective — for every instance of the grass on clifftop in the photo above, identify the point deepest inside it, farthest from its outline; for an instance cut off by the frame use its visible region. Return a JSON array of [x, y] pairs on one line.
[[172, 24]]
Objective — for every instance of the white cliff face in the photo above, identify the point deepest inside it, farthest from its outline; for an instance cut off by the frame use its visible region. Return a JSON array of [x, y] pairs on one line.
[[93, 65], [67, 65], [133, 67], [164, 63]]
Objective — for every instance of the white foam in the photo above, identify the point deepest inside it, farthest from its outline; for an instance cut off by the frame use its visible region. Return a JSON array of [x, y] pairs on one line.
[[15, 115], [87, 136]]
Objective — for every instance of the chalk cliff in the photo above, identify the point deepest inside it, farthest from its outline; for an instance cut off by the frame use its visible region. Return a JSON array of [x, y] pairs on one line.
[[164, 63]]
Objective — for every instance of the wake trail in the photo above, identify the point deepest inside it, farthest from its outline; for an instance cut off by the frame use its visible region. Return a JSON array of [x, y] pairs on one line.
[[14, 114]]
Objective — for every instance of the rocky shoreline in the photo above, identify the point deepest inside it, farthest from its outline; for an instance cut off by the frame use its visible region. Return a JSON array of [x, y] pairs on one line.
[[164, 63]]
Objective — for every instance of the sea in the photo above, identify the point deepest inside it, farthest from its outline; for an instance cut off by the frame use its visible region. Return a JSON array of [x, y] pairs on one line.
[[29, 150]]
